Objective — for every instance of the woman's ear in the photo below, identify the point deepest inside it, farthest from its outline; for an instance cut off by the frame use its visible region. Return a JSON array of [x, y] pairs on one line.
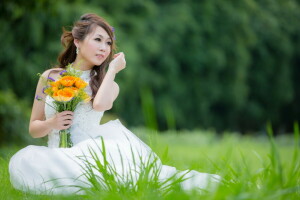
[[76, 42]]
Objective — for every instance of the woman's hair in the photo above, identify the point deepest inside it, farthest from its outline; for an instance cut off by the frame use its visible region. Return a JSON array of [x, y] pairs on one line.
[[84, 26]]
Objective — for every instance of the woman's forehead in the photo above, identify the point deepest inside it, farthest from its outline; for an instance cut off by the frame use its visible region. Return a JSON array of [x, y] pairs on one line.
[[99, 32]]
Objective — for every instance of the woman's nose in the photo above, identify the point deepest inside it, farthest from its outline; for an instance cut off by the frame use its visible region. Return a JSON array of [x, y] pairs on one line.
[[103, 46]]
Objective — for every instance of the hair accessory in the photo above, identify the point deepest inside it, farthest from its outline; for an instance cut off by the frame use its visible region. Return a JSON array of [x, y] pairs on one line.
[[113, 30]]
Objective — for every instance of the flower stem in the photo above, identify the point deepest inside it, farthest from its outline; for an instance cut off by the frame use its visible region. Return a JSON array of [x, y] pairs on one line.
[[65, 139]]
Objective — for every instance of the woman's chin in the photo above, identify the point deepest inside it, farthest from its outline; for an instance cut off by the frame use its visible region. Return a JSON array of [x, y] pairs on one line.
[[98, 63]]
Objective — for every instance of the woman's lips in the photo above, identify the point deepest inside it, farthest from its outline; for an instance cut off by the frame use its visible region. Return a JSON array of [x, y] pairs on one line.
[[100, 56]]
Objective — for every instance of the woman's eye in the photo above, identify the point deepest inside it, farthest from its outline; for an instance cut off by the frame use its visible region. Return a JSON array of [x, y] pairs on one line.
[[109, 43], [98, 39]]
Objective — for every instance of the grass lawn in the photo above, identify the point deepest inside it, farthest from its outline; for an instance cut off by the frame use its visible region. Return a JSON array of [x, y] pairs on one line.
[[251, 167]]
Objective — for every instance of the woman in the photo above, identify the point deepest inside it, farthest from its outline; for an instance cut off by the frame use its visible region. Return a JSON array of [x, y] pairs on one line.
[[52, 170]]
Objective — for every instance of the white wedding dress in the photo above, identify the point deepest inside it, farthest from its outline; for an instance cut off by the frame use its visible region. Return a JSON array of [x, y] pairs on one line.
[[53, 170]]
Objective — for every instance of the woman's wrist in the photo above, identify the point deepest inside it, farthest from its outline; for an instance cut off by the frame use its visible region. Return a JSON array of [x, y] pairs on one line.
[[111, 71], [49, 123]]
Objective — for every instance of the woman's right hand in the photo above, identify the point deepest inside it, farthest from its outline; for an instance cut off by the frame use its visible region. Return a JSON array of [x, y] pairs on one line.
[[62, 120], [118, 63]]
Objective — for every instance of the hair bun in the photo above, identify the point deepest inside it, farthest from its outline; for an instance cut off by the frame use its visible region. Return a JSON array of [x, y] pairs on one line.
[[86, 17]]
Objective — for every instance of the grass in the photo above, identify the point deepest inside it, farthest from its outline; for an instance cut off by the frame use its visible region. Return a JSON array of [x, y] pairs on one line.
[[259, 167]]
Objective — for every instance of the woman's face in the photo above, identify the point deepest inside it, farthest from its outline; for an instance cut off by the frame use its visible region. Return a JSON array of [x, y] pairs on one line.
[[95, 48]]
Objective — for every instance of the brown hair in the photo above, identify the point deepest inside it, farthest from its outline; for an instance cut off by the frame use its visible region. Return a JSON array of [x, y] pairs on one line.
[[80, 30]]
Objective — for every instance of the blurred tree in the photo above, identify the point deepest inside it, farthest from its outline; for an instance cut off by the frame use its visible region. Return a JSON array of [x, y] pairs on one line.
[[14, 120], [231, 65]]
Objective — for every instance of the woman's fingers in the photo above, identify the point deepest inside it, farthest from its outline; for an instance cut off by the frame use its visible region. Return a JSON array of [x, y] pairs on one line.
[[67, 112], [67, 119], [119, 54], [116, 55], [64, 120], [66, 126]]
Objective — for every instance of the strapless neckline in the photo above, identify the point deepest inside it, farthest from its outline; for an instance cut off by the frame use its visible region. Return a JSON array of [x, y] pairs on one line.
[[84, 72]]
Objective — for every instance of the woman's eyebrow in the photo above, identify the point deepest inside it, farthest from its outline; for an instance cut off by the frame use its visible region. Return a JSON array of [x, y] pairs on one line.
[[101, 36]]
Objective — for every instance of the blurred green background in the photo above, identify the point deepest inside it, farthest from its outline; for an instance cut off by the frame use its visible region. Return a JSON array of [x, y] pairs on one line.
[[210, 64]]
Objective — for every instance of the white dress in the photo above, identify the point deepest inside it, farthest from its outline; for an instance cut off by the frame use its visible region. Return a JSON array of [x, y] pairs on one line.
[[53, 170]]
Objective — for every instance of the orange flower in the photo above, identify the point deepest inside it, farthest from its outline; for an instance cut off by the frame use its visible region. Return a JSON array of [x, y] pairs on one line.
[[80, 83], [64, 95], [75, 90], [67, 81], [55, 84], [54, 89], [55, 95]]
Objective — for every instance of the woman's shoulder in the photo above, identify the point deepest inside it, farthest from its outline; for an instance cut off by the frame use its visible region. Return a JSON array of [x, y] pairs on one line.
[[53, 72]]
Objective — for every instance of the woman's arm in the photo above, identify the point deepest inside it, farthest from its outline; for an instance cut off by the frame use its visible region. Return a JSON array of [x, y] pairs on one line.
[[38, 126], [109, 89]]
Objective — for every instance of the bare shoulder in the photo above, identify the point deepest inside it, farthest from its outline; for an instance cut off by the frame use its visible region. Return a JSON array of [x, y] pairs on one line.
[[53, 72]]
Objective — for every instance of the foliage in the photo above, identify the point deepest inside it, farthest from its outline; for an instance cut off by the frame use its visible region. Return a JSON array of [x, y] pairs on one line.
[[222, 64], [14, 120], [252, 167], [140, 180]]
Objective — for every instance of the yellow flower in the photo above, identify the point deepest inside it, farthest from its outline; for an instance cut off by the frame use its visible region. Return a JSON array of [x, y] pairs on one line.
[[67, 81], [85, 97], [48, 90], [64, 95], [80, 83]]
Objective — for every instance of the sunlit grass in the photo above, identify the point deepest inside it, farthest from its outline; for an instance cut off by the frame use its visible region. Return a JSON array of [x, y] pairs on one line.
[[253, 167]]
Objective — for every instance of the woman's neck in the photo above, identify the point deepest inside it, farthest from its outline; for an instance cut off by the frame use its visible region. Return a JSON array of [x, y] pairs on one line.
[[80, 64]]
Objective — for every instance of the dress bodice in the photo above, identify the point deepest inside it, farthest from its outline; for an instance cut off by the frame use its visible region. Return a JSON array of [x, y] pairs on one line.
[[85, 117]]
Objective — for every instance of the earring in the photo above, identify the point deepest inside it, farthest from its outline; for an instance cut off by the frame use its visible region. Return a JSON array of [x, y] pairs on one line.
[[77, 50]]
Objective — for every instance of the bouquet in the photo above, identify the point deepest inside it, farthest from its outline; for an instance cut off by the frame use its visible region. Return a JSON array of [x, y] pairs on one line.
[[67, 92]]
